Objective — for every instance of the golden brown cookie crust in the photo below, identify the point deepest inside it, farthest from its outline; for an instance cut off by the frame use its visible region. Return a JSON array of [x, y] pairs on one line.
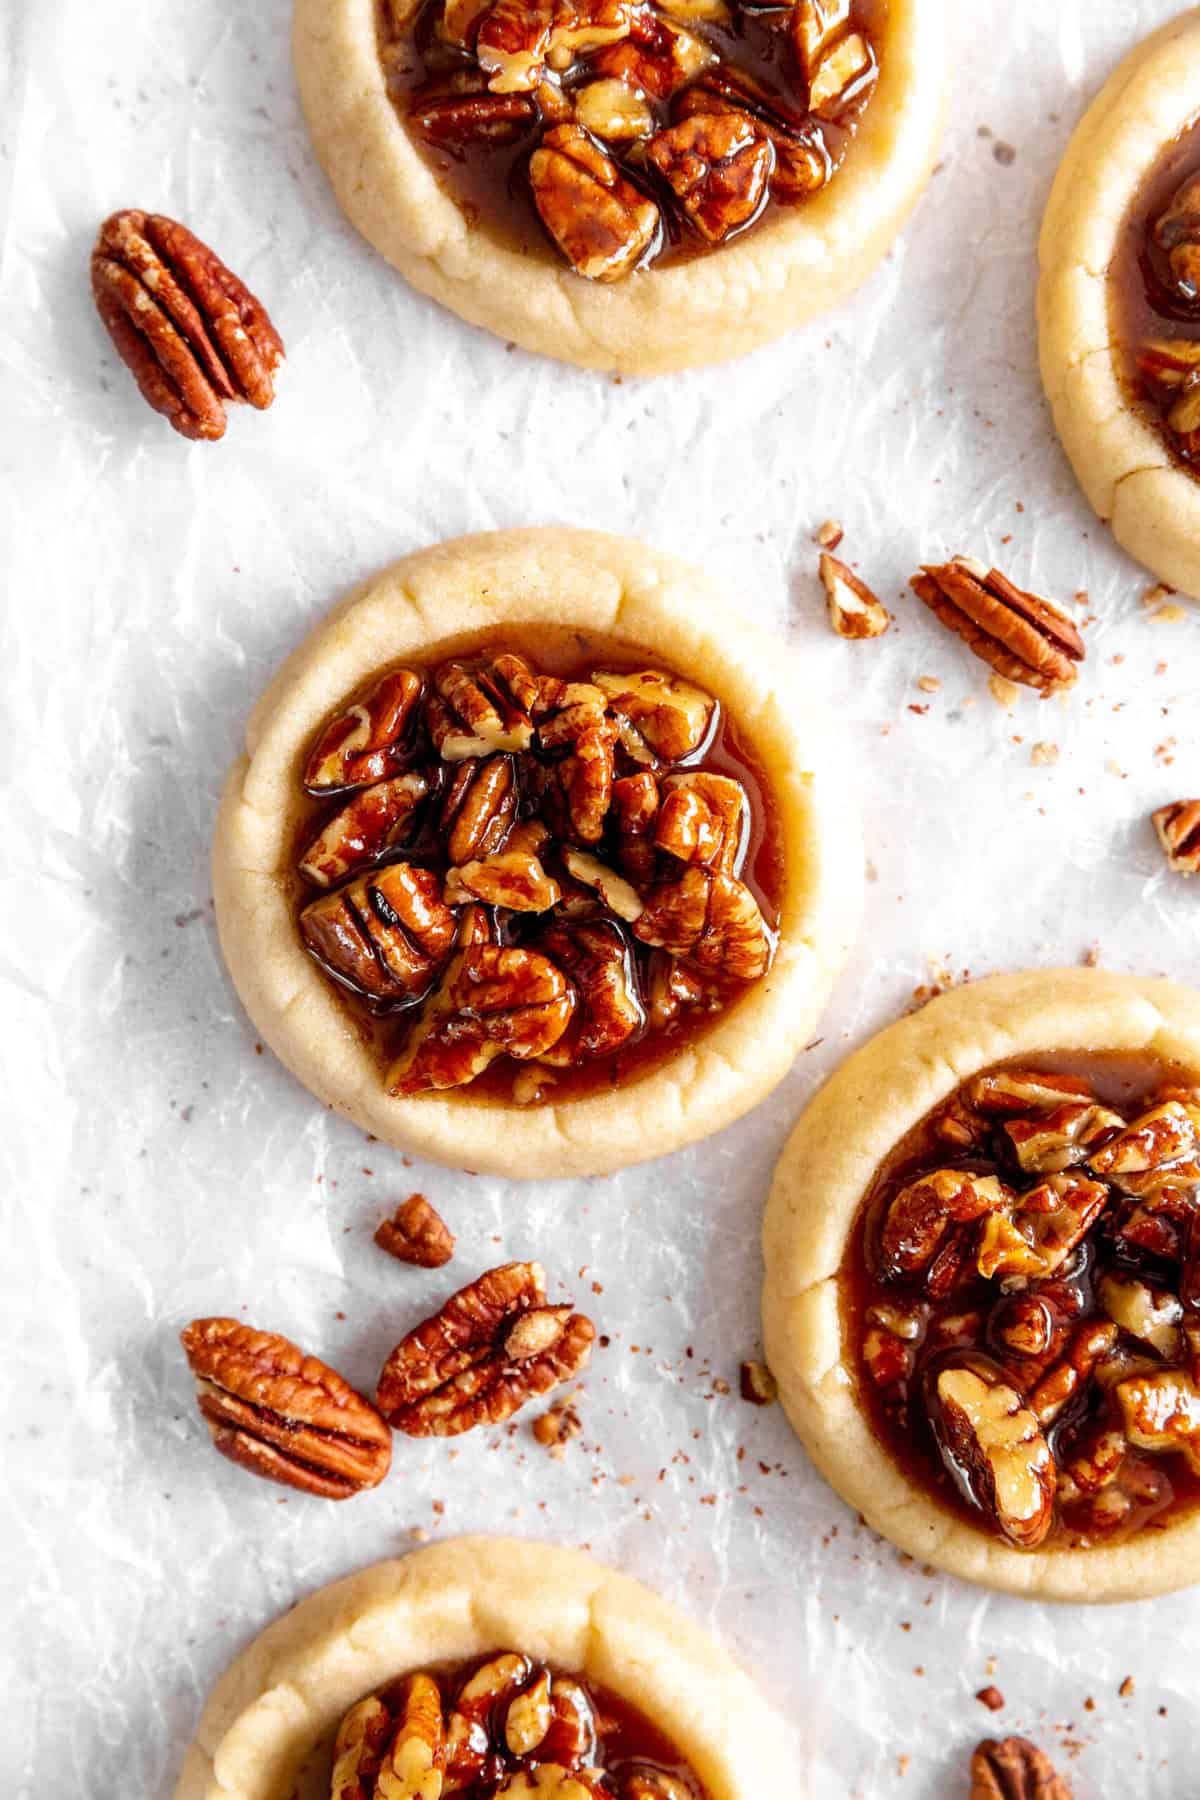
[[1122, 462], [608, 585], [717, 307], [281, 1700], [861, 1113]]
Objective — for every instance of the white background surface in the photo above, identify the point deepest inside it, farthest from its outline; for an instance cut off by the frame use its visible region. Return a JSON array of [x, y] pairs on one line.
[[156, 1168]]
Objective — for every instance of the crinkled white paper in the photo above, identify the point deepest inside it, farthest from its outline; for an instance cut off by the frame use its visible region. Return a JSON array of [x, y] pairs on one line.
[[156, 1167]]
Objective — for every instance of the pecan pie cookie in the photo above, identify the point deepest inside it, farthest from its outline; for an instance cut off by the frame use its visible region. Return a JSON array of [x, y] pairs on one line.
[[540, 861], [640, 185], [1119, 303], [486, 1668], [982, 1300]]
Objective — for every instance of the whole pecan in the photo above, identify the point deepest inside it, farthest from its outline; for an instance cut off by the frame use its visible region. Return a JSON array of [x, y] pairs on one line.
[[492, 1002], [386, 934], [479, 807], [282, 1414], [492, 1347], [704, 819], [416, 1233], [192, 335], [1014, 1769], [1022, 636], [712, 918], [1178, 828]]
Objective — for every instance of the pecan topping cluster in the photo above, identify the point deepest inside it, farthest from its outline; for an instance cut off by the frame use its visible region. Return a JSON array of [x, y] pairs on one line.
[[634, 125], [1027, 1290], [1169, 365], [508, 1729], [525, 869]]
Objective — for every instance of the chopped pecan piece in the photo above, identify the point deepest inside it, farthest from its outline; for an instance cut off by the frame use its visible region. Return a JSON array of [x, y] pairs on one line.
[[1162, 1412], [704, 819], [611, 110], [1145, 1311], [712, 918], [492, 1687], [596, 957], [718, 167], [635, 804], [993, 1447], [617, 893], [1026, 1090], [456, 1371], [645, 1783], [459, 21], [478, 809], [1024, 1325], [1164, 1138], [512, 879], [672, 988], [192, 335], [416, 1233], [661, 718], [803, 163], [843, 75], [1058, 1139], [581, 26], [815, 25], [528, 1718], [573, 714], [482, 708], [924, 1210], [413, 1763], [1014, 1769], [282, 1414], [491, 1002], [1022, 636], [1089, 1344], [455, 118], [385, 934], [1035, 1239], [1178, 828], [601, 222], [1177, 231], [511, 44], [657, 58], [558, 1426], [854, 611], [375, 820], [365, 744], [757, 1384], [358, 1749]]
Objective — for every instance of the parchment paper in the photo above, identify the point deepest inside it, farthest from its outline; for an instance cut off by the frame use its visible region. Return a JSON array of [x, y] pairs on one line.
[[156, 1167]]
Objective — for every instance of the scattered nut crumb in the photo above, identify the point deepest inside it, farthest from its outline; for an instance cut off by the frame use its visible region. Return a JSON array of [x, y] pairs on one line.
[[854, 611], [417, 1234], [1091, 956], [992, 1698], [1154, 596], [1004, 692], [1168, 615], [830, 535], [1043, 754], [928, 684], [555, 1429], [758, 1385], [1126, 1688]]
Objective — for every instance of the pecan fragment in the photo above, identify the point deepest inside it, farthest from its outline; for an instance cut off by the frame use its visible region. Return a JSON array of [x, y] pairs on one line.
[[456, 1370], [1090, 1342], [718, 167], [1022, 636], [490, 1688], [1145, 1311], [554, 1429], [282, 1414], [491, 1002], [924, 1210], [512, 879], [512, 42], [365, 744], [601, 222], [672, 988], [704, 819], [474, 118], [416, 1233], [758, 1386], [413, 1763], [993, 1447], [1014, 1769], [573, 714], [482, 708], [385, 935], [657, 58], [1162, 1412], [803, 163], [192, 335], [1045, 1224], [660, 717], [358, 1749], [635, 804], [617, 893], [854, 611], [843, 75], [712, 918], [1177, 231], [1026, 1090], [611, 110], [596, 957], [478, 808], [1058, 1139], [1178, 828], [1163, 1142], [375, 820]]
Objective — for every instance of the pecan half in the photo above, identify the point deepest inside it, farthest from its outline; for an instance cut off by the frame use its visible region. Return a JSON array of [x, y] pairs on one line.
[[513, 879], [1066, 1135], [635, 804], [1178, 828], [993, 1447], [192, 335], [365, 744], [489, 1691], [282, 1414], [718, 166], [491, 1002], [457, 1370], [1166, 1137], [704, 819], [573, 714], [803, 163], [602, 223], [854, 611], [1022, 636], [481, 708], [596, 956], [478, 809], [1014, 1769], [386, 935], [358, 1749], [473, 118], [373, 821], [925, 1210], [416, 1233], [660, 718], [1045, 1224], [711, 918]]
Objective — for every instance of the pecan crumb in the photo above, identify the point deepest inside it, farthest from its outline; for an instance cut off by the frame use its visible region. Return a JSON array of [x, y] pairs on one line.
[[928, 684], [555, 1429], [830, 535], [1043, 754], [1003, 691], [417, 1234], [1091, 956], [758, 1385], [1126, 1688], [1154, 596], [992, 1698]]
